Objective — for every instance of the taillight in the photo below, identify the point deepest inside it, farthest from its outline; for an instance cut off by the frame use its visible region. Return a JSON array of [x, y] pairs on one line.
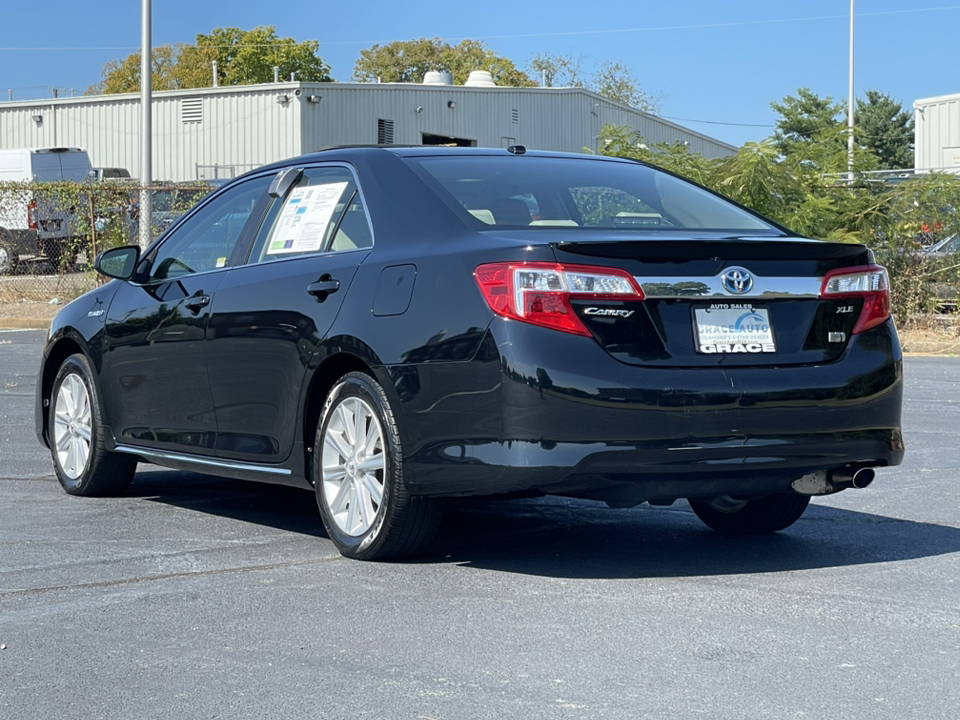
[[32, 215], [540, 293], [869, 282]]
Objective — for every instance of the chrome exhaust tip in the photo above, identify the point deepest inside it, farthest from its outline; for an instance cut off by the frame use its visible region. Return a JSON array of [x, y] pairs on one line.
[[862, 477]]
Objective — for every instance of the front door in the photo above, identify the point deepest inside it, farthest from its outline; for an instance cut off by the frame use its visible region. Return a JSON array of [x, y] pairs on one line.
[[155, 385]]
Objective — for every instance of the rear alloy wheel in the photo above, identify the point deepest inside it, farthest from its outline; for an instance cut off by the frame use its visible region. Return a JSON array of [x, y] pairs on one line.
[[358, 473], [751, 517], [80, 458]]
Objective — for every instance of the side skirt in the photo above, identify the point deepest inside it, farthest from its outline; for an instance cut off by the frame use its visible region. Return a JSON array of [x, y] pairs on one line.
[[215, 466]]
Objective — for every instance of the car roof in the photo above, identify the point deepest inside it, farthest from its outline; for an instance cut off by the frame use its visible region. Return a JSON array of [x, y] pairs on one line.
[[347, 152]]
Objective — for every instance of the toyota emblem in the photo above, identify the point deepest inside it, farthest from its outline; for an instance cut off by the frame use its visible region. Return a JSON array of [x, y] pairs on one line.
[[737, 280]]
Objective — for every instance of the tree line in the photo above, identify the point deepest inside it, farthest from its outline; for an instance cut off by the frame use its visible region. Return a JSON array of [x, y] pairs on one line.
[[247, 57]]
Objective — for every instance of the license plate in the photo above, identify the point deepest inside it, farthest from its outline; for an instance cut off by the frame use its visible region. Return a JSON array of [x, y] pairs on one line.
[[50, 225], [733, 328]]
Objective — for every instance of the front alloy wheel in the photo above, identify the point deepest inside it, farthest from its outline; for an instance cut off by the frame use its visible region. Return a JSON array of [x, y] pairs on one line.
[[72, 426], [76, 437], [358, 474]]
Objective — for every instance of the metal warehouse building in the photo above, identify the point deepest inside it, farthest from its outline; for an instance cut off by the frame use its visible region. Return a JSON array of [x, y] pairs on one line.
[[937, 139], [218, 132]]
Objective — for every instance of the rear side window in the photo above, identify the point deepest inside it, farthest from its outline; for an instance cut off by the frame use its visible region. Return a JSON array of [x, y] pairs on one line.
[[532, 191], [322, 212]]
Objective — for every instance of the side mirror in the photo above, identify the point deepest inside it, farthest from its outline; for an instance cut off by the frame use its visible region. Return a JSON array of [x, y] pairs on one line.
[[120, 263]]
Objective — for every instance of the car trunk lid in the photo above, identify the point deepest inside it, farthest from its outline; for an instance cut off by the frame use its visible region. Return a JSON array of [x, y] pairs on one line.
[[731, 301]]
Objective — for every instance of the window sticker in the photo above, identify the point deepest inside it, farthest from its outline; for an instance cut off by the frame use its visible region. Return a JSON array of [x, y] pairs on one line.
[[304, 220]]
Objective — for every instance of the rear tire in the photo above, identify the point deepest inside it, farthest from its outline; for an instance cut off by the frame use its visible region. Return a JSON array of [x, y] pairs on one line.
[[77, 443], [751, 517], [358, 474], [9, 259]]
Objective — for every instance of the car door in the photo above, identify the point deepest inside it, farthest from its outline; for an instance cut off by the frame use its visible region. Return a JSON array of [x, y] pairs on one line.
[[154, 379], [272, 312]]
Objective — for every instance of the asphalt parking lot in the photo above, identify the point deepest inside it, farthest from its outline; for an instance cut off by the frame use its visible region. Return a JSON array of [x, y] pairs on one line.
[[196, 597]]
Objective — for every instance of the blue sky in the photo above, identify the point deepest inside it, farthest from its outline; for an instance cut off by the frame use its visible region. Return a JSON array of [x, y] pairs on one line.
[[718, 63]]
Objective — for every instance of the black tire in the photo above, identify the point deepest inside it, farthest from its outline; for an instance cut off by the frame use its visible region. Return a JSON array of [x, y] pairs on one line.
[[751, 517], [9, 258], [362, 526], [99, 473]]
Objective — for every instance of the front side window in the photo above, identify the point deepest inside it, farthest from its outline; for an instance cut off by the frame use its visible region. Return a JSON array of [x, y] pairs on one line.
[[532, 191], [206, 240], [322, 212]]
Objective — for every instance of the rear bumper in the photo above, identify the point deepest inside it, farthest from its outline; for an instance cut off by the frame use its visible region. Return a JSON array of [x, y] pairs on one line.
[[540, 410]]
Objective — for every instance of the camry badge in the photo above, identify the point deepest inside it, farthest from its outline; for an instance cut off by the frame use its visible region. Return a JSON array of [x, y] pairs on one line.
[[608, 312], [737, 280]]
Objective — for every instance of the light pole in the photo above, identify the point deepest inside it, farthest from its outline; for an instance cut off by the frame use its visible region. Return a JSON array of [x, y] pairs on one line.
[[146, 125], [850, 106]]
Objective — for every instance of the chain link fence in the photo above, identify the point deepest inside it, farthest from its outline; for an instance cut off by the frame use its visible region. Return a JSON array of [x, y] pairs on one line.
[[50, 233]]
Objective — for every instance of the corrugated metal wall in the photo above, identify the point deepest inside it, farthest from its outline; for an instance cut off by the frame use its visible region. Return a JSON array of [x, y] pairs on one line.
[[937, 133], [567, 120], [225, 131], [245, 127]]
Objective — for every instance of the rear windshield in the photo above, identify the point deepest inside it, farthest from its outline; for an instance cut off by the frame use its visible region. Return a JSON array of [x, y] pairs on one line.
[[531, 191]]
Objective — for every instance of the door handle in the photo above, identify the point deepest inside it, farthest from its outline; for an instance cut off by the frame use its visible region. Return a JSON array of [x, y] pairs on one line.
[[197, 302], [323, 287]]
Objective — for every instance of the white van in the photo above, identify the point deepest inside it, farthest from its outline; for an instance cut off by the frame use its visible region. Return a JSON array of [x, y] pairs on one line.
[[29, 229]]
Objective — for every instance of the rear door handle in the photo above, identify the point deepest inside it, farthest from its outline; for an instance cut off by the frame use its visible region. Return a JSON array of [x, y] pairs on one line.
[[323, 287], [197, 302]]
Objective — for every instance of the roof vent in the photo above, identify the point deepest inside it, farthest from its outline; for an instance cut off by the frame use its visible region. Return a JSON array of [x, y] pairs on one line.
[[438, 77], [480, 78]]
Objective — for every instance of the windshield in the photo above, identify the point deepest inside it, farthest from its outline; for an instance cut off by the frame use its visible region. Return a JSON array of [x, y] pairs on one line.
[[575, 192]]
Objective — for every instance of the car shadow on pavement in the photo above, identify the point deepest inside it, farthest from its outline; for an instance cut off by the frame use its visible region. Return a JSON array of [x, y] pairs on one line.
[[277, 506], [563, 538], [557, 537]]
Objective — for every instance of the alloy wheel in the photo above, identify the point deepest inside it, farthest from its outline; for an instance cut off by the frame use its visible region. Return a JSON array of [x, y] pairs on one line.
[[353, 466], [73, 426]]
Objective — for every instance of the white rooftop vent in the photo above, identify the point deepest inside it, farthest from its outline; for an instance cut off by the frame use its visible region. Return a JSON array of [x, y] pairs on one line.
[[438, 77], [480, 78]]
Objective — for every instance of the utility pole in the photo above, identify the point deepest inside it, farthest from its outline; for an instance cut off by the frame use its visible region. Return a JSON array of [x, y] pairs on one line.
[[850, 107], [146, 125]]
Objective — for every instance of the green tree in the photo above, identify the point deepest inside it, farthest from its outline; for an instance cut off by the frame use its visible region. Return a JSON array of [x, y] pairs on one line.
[[122, 76], [247, 57], [244, 57], [557, 70], [615, 81], [886, 129], [802, 118], [408, 61]]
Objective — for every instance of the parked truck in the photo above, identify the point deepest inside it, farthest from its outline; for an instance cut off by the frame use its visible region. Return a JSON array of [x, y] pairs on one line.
[[32, 227]]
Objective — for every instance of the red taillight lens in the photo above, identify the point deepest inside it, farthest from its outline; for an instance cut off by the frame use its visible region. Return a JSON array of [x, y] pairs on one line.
[[540, 293], [32, 215], [869, 282]]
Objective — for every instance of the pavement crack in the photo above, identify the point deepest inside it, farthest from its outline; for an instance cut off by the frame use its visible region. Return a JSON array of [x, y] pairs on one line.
[[167, 576]]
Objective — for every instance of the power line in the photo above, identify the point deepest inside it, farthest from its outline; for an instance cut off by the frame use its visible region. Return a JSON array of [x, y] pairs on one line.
[[609, 31], [667, 27], [715, 122]]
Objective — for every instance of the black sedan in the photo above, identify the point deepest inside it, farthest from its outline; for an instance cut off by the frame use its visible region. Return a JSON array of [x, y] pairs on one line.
[[392, 325]]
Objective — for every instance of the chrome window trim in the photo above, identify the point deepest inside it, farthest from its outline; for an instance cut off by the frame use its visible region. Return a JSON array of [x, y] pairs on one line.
[[177, 457], [672, 288]]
